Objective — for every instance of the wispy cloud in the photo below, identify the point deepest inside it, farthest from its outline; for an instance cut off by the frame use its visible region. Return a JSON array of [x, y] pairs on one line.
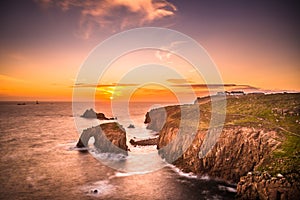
[[87, 85], [167, 51], [229, 87], [10, 78], [179, 81], [114, 14], [204, 85]]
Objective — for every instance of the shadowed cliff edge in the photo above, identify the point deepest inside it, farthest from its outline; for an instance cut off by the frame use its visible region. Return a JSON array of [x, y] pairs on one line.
[[259, 146]]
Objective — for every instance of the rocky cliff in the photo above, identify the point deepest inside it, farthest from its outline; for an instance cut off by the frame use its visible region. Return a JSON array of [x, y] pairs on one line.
[[259, 185], [155, 119], [254, 138], [109, 137], [237, 151]]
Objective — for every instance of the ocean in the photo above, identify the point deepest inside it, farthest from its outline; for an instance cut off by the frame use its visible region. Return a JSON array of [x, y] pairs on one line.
[[39, 159]]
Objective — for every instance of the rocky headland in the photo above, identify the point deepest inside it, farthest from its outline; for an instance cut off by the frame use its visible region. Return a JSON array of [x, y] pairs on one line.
[[109, 138], [261, 135]]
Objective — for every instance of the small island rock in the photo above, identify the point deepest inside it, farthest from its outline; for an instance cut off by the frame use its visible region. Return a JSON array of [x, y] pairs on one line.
[[91, 114], [131, 126]]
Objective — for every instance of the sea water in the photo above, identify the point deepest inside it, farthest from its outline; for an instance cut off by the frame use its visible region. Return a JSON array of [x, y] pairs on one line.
[[39, 159]]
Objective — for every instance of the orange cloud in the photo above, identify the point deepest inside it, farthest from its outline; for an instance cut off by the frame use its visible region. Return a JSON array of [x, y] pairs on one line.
[[179, 81], [114, 14]]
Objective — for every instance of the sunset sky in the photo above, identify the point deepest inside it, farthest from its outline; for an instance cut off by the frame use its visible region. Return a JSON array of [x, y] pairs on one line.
[[255, 44]]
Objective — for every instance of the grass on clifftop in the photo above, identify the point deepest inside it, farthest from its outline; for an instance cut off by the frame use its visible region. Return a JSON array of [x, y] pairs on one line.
[[280, 112]]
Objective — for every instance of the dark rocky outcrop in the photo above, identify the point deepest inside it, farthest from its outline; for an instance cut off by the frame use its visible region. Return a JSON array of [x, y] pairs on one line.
[[263, 186], [146, 142], [131, 126], [109, 138], [237, 151], [147, 118], [90, 113]]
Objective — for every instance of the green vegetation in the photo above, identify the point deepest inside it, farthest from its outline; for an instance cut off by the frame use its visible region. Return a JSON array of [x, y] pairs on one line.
[[272, 112], [279, 112]]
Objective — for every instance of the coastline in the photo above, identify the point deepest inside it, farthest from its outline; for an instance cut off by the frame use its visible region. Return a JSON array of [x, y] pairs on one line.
[[259, 132]]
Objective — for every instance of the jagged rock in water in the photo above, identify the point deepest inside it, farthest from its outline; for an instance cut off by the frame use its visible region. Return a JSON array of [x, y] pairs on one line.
[[90, 113], [131, 126], [101, 116], [109, 138], [145, 142]]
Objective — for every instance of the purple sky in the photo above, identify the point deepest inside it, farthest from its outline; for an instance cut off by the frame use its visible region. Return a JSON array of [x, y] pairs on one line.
[[252, 42]]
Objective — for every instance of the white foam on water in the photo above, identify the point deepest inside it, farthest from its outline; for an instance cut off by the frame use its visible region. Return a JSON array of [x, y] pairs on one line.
[[226, 188], [181, 173], [188, 175], [125, 174], [108, 156], [205, 177], [143, 149]]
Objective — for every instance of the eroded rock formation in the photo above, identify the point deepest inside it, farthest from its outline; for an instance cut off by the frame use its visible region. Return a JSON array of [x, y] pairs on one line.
[[109, 138]]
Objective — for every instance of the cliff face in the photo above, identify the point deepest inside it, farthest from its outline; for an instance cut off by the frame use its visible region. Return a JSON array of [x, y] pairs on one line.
[[254, 138], [155, 119], [237, 151], [109, 138], [263, 186]]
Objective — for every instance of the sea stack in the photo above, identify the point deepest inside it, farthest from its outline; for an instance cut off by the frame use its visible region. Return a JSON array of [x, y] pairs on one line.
[[109, 138]]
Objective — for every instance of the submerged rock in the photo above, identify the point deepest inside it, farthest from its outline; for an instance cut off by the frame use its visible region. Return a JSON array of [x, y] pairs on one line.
[[95, 191], [109, 138]]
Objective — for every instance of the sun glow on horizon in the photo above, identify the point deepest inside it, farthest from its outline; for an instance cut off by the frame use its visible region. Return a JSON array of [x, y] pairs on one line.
[[39, 59]]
